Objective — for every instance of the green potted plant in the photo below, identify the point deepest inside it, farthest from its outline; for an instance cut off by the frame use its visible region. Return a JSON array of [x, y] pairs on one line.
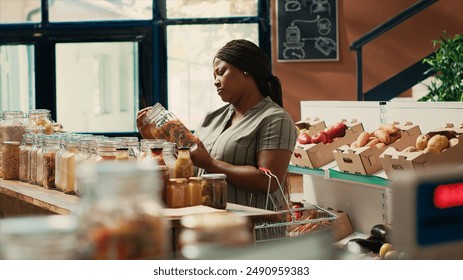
[[447, 64]]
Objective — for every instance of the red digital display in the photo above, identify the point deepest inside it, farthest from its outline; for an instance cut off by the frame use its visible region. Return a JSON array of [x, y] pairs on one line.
[[449, 195]]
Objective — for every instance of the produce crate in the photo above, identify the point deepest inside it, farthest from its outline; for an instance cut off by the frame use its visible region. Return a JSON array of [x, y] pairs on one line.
[[365, 160], [312, 126], [317, 155], [394, 161]]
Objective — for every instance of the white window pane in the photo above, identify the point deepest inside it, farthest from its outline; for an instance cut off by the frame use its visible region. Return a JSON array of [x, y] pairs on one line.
[[190, 51], [20, 11], [17, 89], [210, 8], [97, 86], [100, 10]]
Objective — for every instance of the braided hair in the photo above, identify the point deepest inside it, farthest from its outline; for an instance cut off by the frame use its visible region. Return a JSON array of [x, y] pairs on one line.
[[248, 57]]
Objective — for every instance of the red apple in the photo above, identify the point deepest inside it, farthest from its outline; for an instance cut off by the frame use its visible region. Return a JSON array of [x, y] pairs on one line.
[[304, 138], [321, 137], [336, 130]]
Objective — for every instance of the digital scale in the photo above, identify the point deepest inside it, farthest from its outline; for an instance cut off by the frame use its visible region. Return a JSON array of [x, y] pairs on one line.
[[428, 214]]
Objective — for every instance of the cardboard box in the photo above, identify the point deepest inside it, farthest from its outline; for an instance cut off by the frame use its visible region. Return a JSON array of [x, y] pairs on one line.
[[342, 226], [365, 160], [312, 126], [394, 161], [317, 155]]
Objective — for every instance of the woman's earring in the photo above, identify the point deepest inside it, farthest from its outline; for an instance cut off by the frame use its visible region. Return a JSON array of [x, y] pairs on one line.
[[245, 73]]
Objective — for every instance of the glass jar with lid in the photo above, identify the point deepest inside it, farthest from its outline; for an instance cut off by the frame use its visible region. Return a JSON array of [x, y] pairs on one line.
[[12, 128], [38, 168], [151, 149], [10, 160], [184, 167], [37, 143], [177, 193], [106, 149], [52, 145], [194, 191], [120, 212], [163, 124], [67, 163], [169, 154], [127, 148], [83, 156], [51, 237], [41, 117], [214, 192], [204, 235], [24, 150]]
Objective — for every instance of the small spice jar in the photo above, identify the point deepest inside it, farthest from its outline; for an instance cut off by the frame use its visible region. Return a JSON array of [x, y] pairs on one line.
[[214, 192], [176, 193], [194, 190], [10, 160]]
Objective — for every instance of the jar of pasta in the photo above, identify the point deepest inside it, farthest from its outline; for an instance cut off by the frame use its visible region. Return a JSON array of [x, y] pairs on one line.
[[41, 117], [120, 212], [214, 193], [164, 124]]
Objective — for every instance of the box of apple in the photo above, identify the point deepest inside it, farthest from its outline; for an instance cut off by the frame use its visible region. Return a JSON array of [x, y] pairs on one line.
[[310, 126], [317, 150], [362, 156]]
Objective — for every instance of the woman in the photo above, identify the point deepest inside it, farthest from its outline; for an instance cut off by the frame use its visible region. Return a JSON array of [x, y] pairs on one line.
[[251, 131]]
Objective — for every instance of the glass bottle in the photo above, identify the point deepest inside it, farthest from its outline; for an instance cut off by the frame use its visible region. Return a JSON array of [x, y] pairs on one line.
[[120, 212], [214, 192], [51, 237], [52, 145], [164, 124], [10, 160], [169, 154], [184, 167], [176, 193], [41, 117], [194, 191], [24, 150]]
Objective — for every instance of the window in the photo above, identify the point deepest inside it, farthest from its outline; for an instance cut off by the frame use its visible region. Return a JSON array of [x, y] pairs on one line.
[[95, 63]]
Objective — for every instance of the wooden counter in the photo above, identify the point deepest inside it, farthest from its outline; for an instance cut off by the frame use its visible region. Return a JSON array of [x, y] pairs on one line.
[[18, 198]]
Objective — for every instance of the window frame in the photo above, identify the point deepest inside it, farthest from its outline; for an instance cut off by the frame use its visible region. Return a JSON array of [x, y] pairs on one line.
[[150, 35]]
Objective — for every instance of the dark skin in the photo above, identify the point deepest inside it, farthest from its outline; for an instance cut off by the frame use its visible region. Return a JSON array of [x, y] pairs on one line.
[[240, 89]]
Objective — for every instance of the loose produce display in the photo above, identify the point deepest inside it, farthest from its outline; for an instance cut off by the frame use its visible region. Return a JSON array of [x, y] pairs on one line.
[[386, 134]]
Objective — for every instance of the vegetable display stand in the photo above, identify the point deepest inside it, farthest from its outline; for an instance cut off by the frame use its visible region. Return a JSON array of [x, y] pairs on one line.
[[295, 221]]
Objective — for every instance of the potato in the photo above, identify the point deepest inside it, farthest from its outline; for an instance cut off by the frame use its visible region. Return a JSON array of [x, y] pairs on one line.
[[438, 142], [431, 150], [421, 142], [363, 138], [386, 247], [410, 149], [389, 128], [453, 142], [373, 142], [383, 136]]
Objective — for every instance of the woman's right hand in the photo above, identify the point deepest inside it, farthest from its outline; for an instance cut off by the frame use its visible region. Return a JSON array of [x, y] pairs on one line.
[[143, 128]]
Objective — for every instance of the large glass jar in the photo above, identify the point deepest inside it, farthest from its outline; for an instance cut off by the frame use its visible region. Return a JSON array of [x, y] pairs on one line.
[[51, 237], [41, 117], [52, 145], [10, 160], [12, 128], [164, 124], [214, 192], [184, 167], [205, 235], [120, 212], [24, 150]]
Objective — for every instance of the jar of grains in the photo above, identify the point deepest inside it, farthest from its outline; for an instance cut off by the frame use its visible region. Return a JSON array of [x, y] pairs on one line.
[[10, 160], [41, 117], [52, 145], [120, 212], [24, 150], [12, 128], [214, 192]]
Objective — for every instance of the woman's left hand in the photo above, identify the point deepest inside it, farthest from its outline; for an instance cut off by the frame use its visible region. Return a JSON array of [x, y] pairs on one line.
[[200, 156]]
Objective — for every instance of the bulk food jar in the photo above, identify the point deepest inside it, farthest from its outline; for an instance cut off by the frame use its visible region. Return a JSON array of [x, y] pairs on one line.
[[120, 212], [24, 150], [214, 193], [12, 128], [164, 124], [41, 117]]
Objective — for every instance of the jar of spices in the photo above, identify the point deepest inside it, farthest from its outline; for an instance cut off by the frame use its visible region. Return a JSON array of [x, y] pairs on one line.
[[163, 124], [194, 191], [204, 235], [184, 167], [176, 193], [120, 212], [24, 150], [10, 160], [52, 145], [41, 117], [214, 192], [51, 237]]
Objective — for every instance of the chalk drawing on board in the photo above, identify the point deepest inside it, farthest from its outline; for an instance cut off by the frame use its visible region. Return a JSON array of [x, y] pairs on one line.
[[307, 29]]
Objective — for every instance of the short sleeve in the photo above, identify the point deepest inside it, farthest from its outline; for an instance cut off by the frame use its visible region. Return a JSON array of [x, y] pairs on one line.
[[277, 133]]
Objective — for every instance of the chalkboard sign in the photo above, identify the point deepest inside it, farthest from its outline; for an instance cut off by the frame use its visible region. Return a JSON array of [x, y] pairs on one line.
[[307, 30]]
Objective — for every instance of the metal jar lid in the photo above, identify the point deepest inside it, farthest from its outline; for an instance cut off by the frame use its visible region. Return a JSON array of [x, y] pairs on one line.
[[214, 176]]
